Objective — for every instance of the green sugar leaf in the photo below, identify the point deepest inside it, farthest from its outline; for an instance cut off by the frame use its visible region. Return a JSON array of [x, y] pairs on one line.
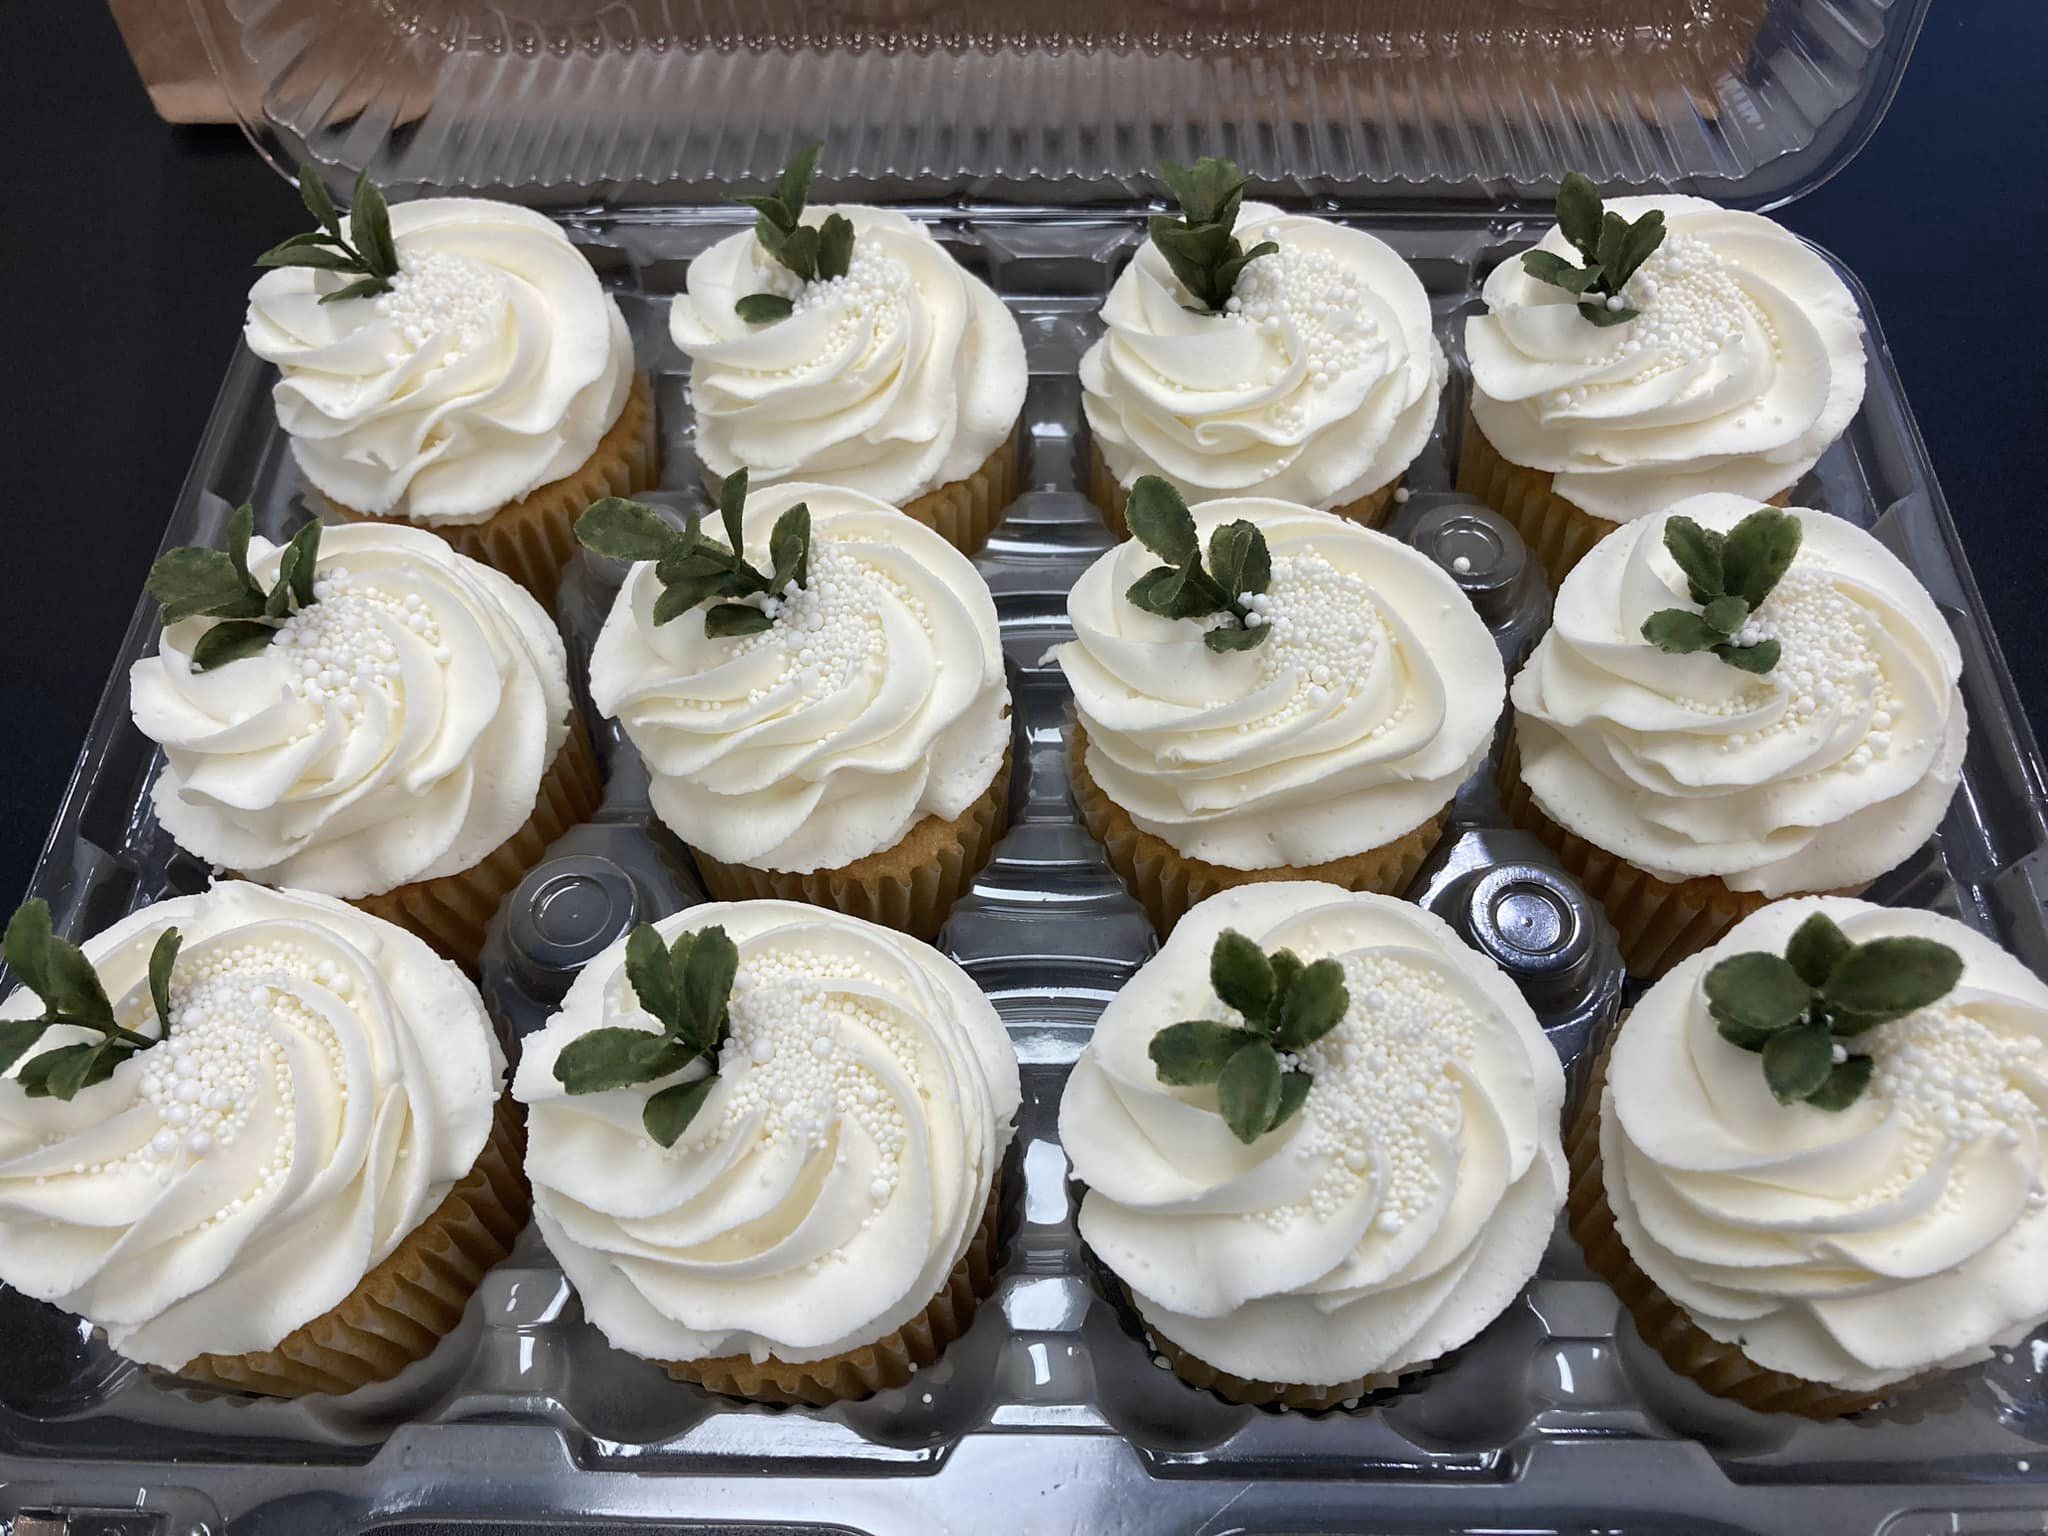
[[789, 548], [1725, 615], [1248, 1091], [1893, 976], [69, 1070], [1314, 1005], [1235, 638], [298, 565], [1759, 658], [793, 187], [1159, 519], [1845, 1083], [1603, 317], [305, 254], [1758, 552], [1817, 947], [1644, 236], [1679, 631], [835, 246], [1757, 990], [230, 640], [1613, 238], [764, 308], [1287, 969], [369, 224], [319, 202], [1294, 1088], [74, 986], [620, 529], [609, 1058], [1797, 1061], [728, 619], [16, 1036], [1743, 1035], [1194, 1051], [653, 979], [373, 255], [667, 1114], [1579, 214], [27, 946], [1698, 553], [1232, 267], [1176, 592], [365, 288], [679, 598], [1239, 559], [163, 957], [1240, 975], [707, 986], [193, 583], [799, 251], [732, 507]]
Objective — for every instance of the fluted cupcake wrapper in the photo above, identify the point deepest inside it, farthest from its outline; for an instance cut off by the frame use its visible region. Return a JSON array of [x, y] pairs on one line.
[[962, 512], [1557, 530], [1112, 500], [890, 1361], [533, 539], [1721, 1369], [450, 912], [1659, 923], [1250, 1393], [1166, 883], [408, 1303], [909, 887]]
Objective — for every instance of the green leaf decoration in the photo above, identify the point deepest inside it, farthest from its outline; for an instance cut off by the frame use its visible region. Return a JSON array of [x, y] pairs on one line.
[[835, 246], [1797, 1061], [58, 973], [686, 987], [1611, 248], [373, 254], [1201, 246], [1793, 1010], [1818, 946], [1729, 575], [1248, 1091], [1285, 1005], [694, 568], [193, 583], [1182, 588], [793, 187], [1192, 1052], [764, 308], [231, 640]]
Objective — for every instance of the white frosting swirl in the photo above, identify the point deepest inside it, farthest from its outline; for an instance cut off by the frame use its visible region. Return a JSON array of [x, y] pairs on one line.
[[1745, 362], [834, 1176], [396, 730], [1859, 1247], [877, 699], [1320, 386], [1355, 723], [900, 377], [491, 368], [1388, 1221], [327, 1081], [1819, 775]]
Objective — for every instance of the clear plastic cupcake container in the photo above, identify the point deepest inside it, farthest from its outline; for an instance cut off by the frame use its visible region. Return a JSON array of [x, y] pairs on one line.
[[1052, 1413]]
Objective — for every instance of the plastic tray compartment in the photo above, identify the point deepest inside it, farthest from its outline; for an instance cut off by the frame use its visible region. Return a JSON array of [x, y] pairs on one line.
[[1051, 1413]]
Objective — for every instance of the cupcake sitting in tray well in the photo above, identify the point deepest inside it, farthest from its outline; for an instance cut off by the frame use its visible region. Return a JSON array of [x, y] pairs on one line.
[[767, 1142], [1813, 1167], [820, 698], [1320, 1139], [366, 713], [852, 350], [1250, 352], [1733, 704], [251, 1135], [1647, 351], [455, 364], [1288, 696]]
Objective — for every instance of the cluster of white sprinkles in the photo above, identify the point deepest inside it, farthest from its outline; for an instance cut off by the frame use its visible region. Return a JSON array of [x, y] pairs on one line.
[[868, 306], [1384, 1092], [1690, 307], [233, 1005], [1311, 308], [345, 644], [442, 305], [1327, 633]]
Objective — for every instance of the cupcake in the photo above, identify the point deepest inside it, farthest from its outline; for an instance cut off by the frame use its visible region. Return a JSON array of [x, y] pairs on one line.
[[251, 1135], [1341, 1163], [455, 365], [1813, 1169], [1254, 353], [363, 713], [1658, 349], [1732, 705], [766, 1146], [853, 351], [1300, 706], [824, 717]]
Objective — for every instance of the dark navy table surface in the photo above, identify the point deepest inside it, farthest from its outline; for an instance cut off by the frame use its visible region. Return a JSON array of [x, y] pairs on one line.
[[125, 246]]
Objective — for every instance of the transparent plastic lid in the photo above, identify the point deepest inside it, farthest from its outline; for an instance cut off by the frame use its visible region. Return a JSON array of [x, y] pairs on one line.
[[1447, 105]]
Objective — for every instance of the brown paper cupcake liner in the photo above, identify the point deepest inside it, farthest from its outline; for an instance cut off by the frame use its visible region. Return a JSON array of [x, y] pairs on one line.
[[1721, 1369], [962, 512], [1166, 883], [1197, 1372], [1111, 499], [1659, 923], [450, 912], [405, 1306], [909, 887], [888, 1362], [1557, 531], [532, 539]]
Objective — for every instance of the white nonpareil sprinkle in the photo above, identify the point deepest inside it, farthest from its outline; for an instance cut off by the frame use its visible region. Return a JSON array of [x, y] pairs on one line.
[[1313, 310], [1328, 635], [443, 304], [344, 647]]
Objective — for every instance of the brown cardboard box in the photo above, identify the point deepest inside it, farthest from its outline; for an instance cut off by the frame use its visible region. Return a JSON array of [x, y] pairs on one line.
[[164, 42]]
